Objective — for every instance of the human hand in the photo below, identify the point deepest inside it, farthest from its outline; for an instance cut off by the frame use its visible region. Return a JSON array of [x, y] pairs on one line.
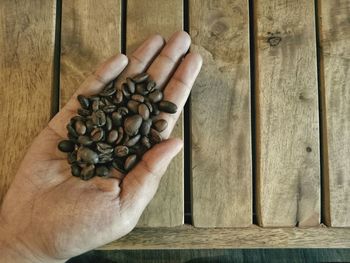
[[48, 215]]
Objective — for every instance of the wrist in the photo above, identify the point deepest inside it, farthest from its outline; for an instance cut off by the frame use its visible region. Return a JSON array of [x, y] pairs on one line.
[[13, 250]]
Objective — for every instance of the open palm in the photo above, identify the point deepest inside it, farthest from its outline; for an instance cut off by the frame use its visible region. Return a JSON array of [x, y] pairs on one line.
[[52, 214]]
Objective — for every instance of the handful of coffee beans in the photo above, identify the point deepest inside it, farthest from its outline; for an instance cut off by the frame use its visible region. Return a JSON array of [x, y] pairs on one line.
[[114, 128]]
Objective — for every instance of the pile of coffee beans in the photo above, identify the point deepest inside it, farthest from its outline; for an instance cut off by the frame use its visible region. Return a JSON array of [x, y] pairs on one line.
[[114, 128]]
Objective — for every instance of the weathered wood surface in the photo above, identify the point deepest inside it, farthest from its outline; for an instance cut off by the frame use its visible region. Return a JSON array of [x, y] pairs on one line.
[[145, 18], [220, 115], [26, 71], [90, 34], [334, 32], [188, 237], [288, 159]]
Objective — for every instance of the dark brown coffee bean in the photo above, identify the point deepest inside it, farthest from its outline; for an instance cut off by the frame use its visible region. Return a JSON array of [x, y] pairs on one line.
[[71, 131], [109, 108], [146, 127], [108, 90], [125, 90], [72, 157], [138, 97], [145, 142], [80, 127], [84, 102], [150, 86], [102, 171], [130, 162], [123, 110], [105, 158], [141, 89], [120, 135], [87, 172], [131, 85], [160, 125], [104, 148], [132, 105], [108, 123], [118, 98], [112, 136], [87, 155], [132, 124], [95, 105], [149, 105], [155, 136], [97, 134], [85, 140], [155, 109], [155, 96], [75, 170], [167, 106], [118, 165], [117, 119], [121, 151], [83, 112], [105, 101], [98, 118], [132, 141], [66, 146], [140, 77], [143, 111], [89, 126]]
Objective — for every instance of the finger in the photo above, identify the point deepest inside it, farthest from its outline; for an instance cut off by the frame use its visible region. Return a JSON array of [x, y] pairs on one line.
[[168, 59], [142, 57], [141, 183], [108, 71], [179, 88]]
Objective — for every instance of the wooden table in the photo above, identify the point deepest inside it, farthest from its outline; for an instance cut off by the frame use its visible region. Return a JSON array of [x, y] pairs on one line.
[[267, 128]]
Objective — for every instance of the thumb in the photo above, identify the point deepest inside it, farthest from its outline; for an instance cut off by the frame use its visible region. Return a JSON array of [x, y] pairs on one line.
[[141, 183]]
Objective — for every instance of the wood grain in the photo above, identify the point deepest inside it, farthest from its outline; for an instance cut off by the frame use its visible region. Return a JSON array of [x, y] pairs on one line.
[[27, 30], [143, 19], [335, 89], [288, 159], [90, 34], [221, 134], [188, 237]]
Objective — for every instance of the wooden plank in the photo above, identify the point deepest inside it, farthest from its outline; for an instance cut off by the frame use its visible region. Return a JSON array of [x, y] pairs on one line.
[[221, 136], [188, 237], [335, 90], [26, 71], [288, 160], [90, 34], [143, 19]]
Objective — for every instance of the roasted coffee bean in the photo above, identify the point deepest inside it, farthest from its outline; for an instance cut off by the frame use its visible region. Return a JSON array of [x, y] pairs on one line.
[[112, 136], [130, 162], [138, 149], [141, 89], [138, 97], [84, 102], [118, 98], [105, 102], [109, 108], [85, 140], [132, 141], [145, 142], [150, 86], [143, 111], [125, 139], [75, 170], [149, 105], [99, 118], [102, 171], [155, 109], [72, 157], [95, 105], [89, 126], [155, 136], [125, 90], [77, 118], [146, 127], [108, 90], [167, 106], [80, 127], [117, 119], [133, 105], [121, 151], [123, 110], [140, 77], [120, 135], [87, 155], [72, 131], [155, 96], [105, 158], [131, 85], [160, 125], [97, 134], [66, 146], [132, 124], [87, 172], [118, 165], [108, 123], [83, 112], [104, 148]]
